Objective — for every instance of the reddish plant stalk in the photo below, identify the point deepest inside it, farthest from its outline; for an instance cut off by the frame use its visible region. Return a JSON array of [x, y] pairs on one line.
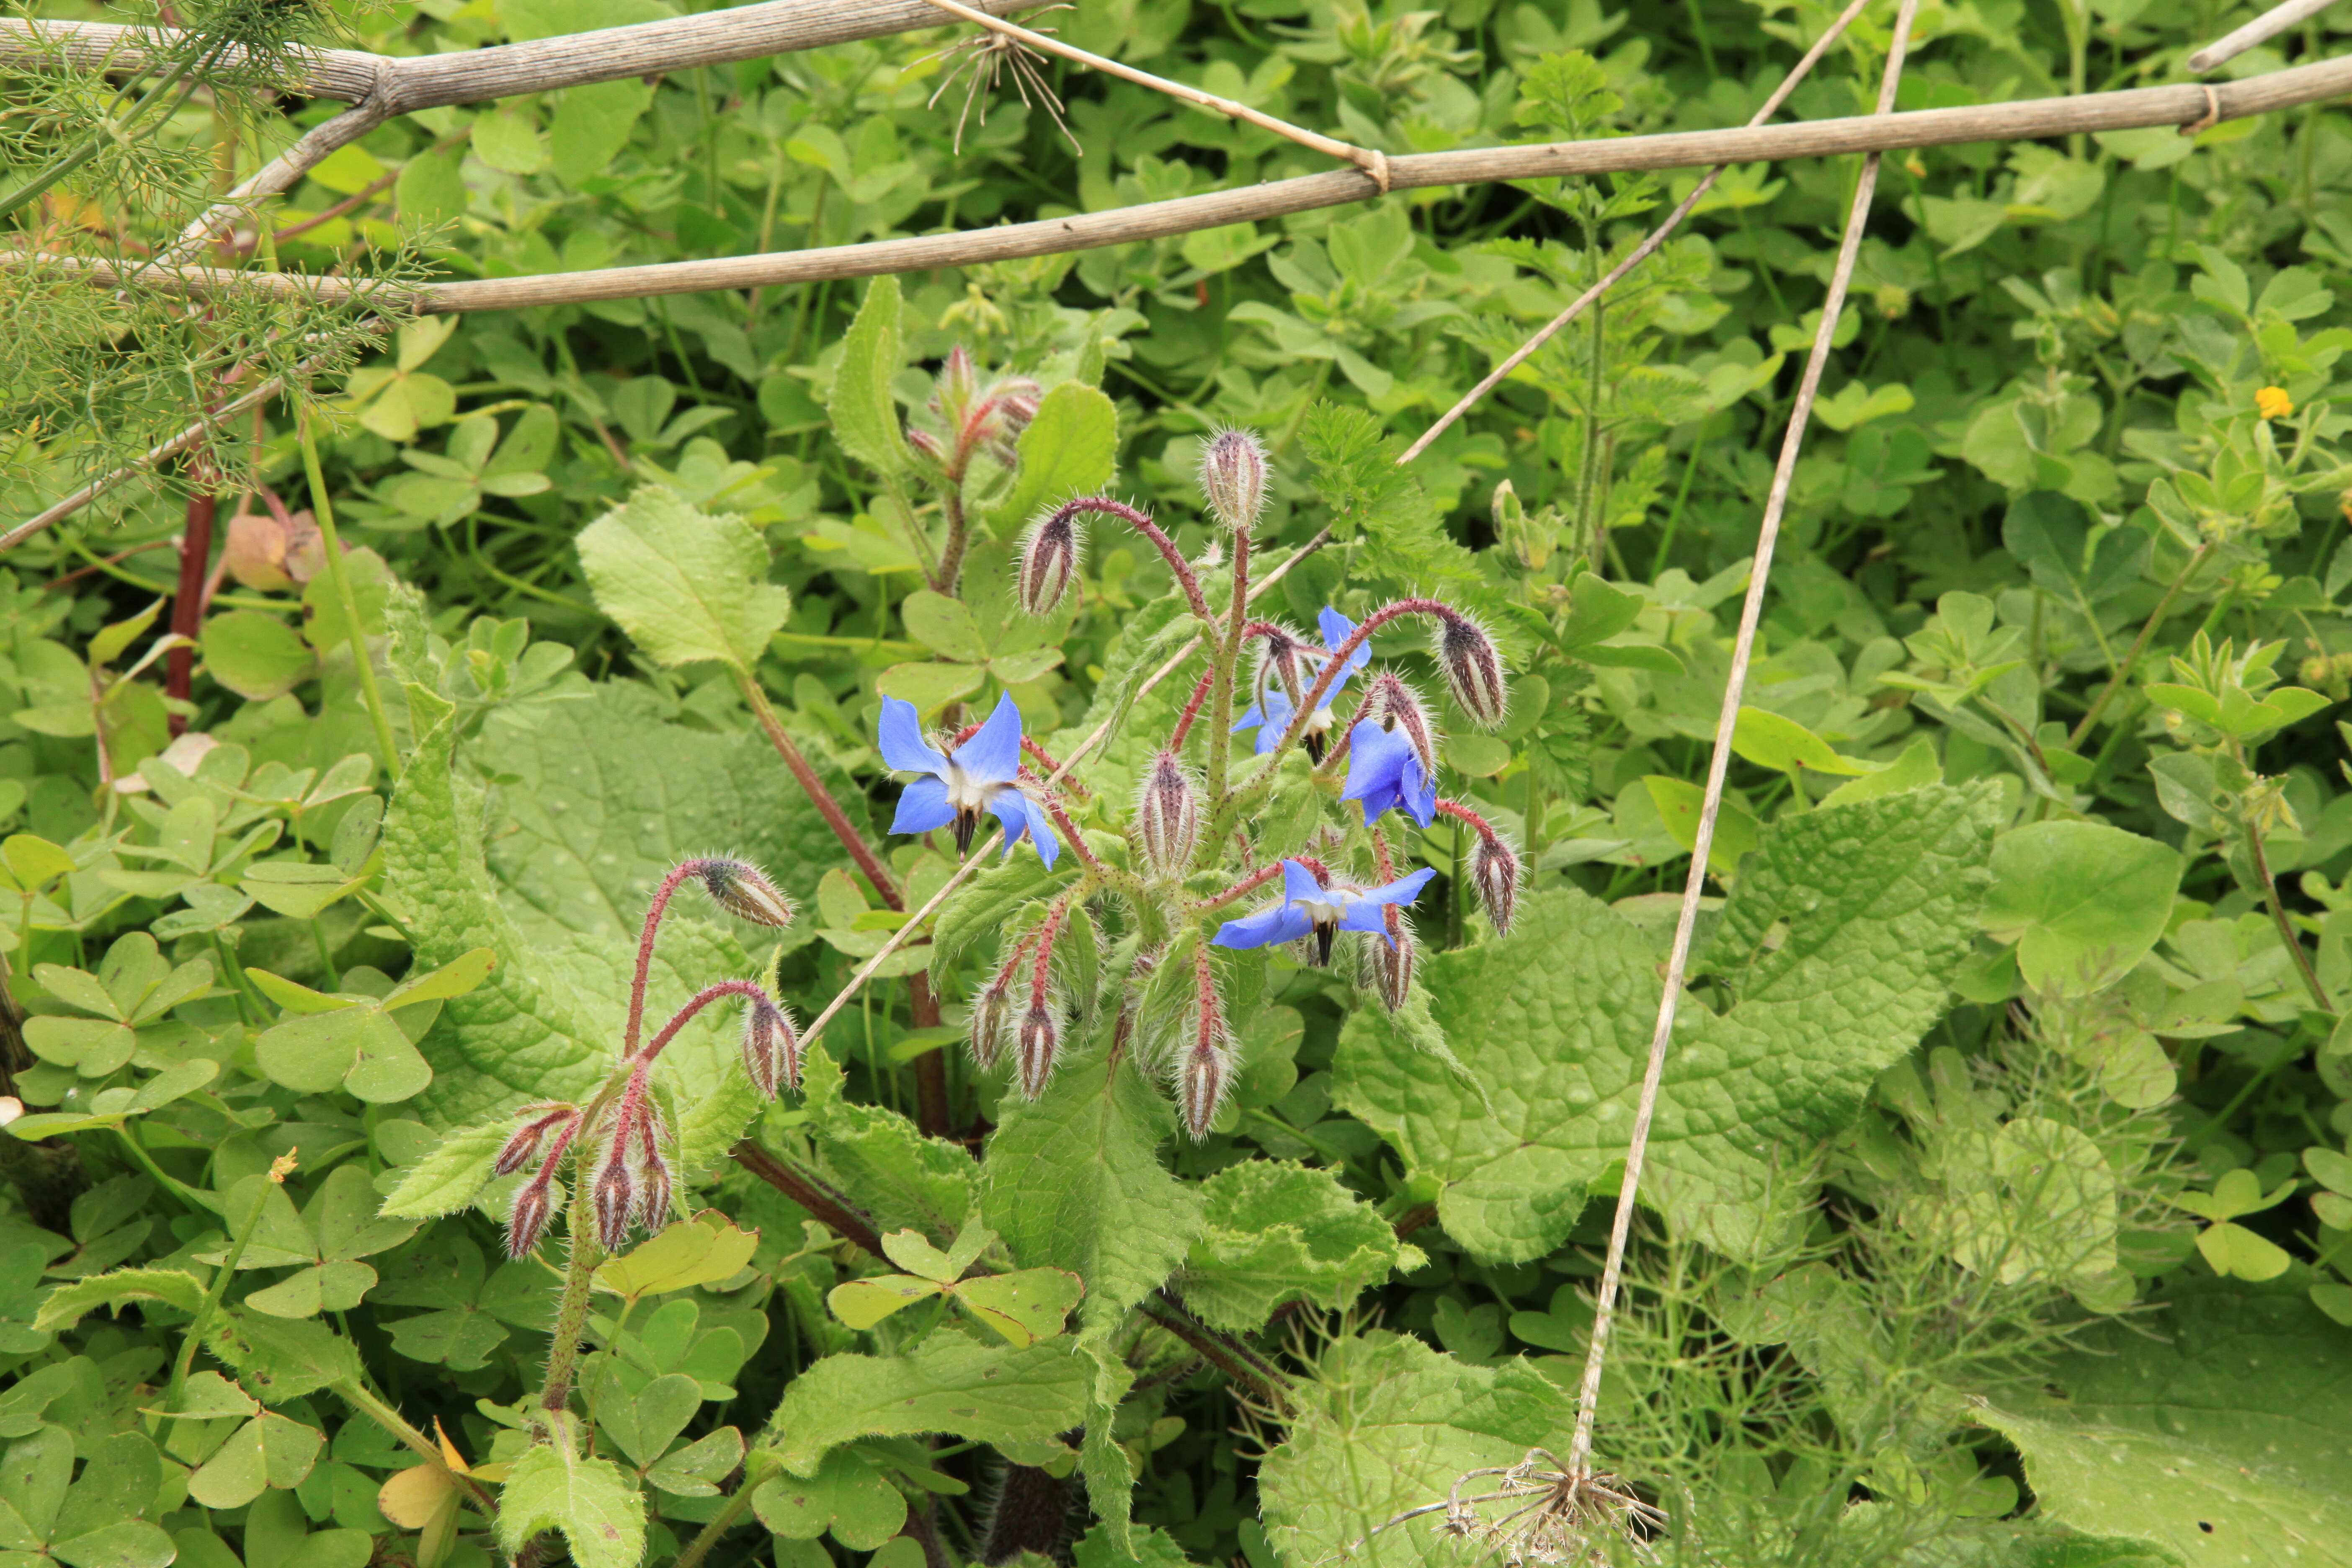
[[701, 999], [1143, 525], [1243, 889], [654, 912], [1041, 977], [1339, 656], [1191, 711], [1461, 813], [188, 599]]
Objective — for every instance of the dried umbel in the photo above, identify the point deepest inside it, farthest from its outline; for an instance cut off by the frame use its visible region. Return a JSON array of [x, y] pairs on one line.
[[743, 891], [1048, 562], [1472, 668], [1167, 815], [1234, 471]]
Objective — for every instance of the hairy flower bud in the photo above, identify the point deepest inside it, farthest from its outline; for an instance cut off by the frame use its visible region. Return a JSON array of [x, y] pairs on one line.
[[1395, 706], [769, 1042], [1495, 871], [1049, 561], [1472, 667], [1201, 1086], [614, 1193], [986, 1028], [1284, 662], [1233, 477], [654, 1175], [743, 891], [1040, 1046], [1167, 815], [523, 1146], [1388, 970], [527, 1221]]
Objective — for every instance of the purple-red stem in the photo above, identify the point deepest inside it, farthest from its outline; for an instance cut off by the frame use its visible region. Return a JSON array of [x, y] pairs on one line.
[[702, 998], [1150, 531], [1461, 813], [1340, 655], [1243, 889], [1191, 711], [654, 911], [188, 600]]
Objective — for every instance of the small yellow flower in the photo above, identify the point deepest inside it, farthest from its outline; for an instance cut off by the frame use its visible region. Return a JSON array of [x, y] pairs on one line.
[[2273, 402]]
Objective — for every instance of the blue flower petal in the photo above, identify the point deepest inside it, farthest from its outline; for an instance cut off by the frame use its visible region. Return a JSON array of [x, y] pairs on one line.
[[1338, 629], [1021, 814], [1299, 883], [923, 806], [993, 754], [1283, 922], [903, 746], [1362, 914], [1403, 891]]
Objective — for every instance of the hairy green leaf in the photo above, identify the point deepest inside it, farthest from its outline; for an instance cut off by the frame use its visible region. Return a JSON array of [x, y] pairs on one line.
[[687, 587], [592, 1501], [1278, 1232], [948, 1383]]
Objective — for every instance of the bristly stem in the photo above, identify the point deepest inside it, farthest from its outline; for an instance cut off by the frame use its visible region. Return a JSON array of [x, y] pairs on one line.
[[1191, 711], [572, 1307], [654, 911], [701, 999], [1346, 651], [2278, 917], [1243, 889], [1224, 670], [1143, 525], [322, 508]]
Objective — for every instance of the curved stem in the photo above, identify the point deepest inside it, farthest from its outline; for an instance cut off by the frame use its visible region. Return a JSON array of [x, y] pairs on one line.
[[721, 1524], [701, 999], [1243, 889], [1345, 651], [654, 912], [1143, 525], [2139, 646], [2286, 927]]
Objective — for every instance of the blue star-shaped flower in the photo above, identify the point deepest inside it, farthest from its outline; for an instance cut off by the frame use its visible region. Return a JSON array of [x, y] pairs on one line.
[[1384, 770], [1270, 714], [1310, 908], [979, 776]]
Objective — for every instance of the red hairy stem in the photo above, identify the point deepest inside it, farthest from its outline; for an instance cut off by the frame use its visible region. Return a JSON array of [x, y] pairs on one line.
[[830, 1208], [1205, 992], [1077, 842], [1243, 889], [1340, 655], [702, 998], [1143, 525], [822, 798], [1461, 813], [654, 912], [188, 599], [1224, 670], [1041, 977], [1191, 711], [1381, 857]]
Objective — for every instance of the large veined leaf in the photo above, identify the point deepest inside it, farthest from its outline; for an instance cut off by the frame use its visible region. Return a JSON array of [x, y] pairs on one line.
[[948, 1383], [1838, 943], [2224, 1435], [689, 587], [1281, 1232], [1387, 1424]]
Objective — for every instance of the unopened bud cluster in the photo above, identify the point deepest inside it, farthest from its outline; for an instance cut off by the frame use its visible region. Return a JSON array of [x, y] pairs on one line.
[[1234, 473], [967, 419]]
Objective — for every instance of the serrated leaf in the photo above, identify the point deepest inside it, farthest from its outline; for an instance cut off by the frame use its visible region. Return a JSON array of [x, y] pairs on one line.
[[2216, 1430], [1066, 450], [68, 1304], [687, 586], [1878, 898], [601, 1514], [981, 907], [448, 1179], [865, 415], [1277, 1232], [947, 1384]]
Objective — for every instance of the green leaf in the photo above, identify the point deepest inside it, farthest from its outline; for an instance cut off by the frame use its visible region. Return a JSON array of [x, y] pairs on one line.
[[2216, 1429], [592, 1501], [846, 1494], [1022, 1306], [2085, 902], [944, 626], [1679, 802], [1385, 1425], [686, 586], [1279, 1232], [946, 1385], [1770, 740], [257, 656], [699, 1251], [1917, 765], [1067, 451], [447, 1180], [865, 415], [1877, 898], [931, 687], [2050, 534], [862, 1303], [67, 1305]]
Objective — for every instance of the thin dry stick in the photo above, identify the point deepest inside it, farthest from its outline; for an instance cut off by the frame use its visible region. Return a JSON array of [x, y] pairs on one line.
[[978, 856], [1642, 252], [2260, 30], [2135, 108], [1372, 163], [1588, 1401]]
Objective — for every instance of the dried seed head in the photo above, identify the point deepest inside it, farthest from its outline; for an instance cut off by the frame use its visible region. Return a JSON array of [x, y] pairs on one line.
[[1049, 561], [1393, 705], [1167, 815], [1233, 469], [523, 1146], [1472, 667], [614, 1194], [527, 1221], [1040, 1046], [1388, 970], [743, 891], [1202, 1084], [1496, 871]]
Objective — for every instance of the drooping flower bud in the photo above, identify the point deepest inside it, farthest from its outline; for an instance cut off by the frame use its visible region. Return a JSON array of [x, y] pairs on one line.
[[614, 1193], [1167, 815], [1495, 871], [743, 891], [1049, 561], [521, 1147], [527, 1221], [1202, 1084], [1388, 965], [652, 1173], [986, 1028], [1395, 706], [1472, 667], [1040, 1047], [770, 1045], [1234, 470], [1283, 662]]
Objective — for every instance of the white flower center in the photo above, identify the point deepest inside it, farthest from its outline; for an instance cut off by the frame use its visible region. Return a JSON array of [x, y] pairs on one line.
[[1322, 912], [968, 794]]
